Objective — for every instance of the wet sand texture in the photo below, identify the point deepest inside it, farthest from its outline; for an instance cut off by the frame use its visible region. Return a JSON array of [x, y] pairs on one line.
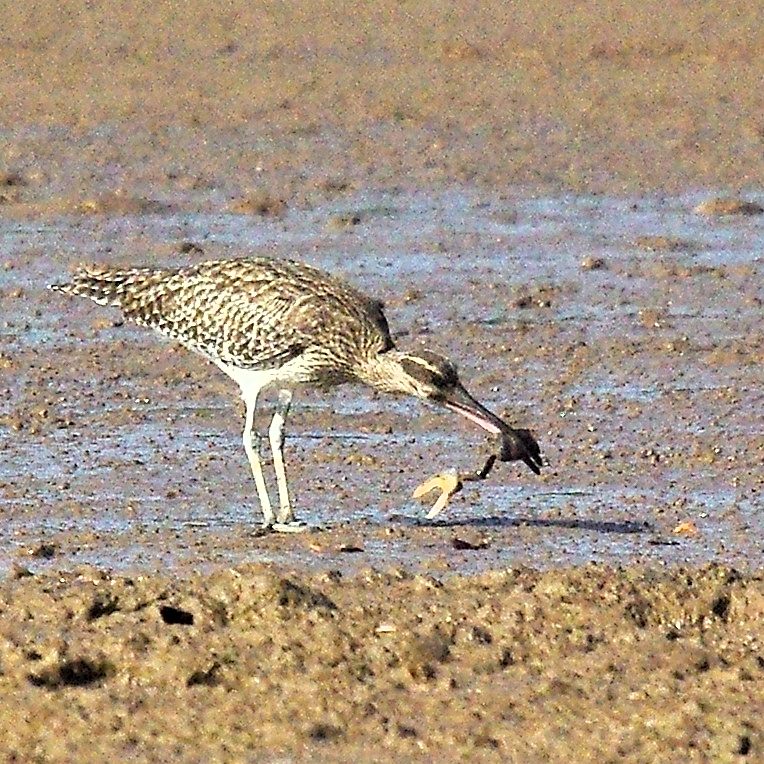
[[428, 154], [596, 96], [638, 378]]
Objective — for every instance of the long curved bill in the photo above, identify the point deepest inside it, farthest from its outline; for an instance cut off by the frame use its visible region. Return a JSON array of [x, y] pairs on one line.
[[515, 444], [460, 401]]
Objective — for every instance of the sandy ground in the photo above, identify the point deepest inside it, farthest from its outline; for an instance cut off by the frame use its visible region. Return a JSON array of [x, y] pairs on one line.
[[521, 187], [290, 97], [590, 664]]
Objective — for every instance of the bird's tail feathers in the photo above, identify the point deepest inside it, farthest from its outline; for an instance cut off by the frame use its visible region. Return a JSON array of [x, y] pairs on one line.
[[107, 286]]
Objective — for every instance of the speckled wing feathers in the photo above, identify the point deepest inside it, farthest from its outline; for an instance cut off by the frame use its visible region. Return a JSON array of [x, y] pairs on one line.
[[254, 313]]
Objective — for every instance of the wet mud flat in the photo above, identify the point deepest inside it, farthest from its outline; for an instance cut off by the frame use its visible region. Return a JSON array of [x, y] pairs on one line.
[[626, 333], [610, 609]]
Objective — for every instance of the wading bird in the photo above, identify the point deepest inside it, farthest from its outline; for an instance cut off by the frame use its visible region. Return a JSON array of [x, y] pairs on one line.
[[279, 323]]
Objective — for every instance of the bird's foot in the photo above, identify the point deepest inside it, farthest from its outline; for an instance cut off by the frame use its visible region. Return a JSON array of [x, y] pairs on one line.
[[292, 526], [448, 483]]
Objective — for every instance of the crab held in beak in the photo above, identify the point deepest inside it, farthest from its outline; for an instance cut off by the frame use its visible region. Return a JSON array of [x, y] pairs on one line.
[[514, 445]]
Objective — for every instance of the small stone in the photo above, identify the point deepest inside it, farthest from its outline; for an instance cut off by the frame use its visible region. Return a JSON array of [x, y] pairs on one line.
[[469, 543], [343, 221], [686, 528], [591, 263], [44, 550], [728, 206]]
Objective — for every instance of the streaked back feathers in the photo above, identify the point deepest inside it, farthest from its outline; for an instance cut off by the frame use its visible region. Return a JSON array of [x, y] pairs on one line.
[[249, 313]]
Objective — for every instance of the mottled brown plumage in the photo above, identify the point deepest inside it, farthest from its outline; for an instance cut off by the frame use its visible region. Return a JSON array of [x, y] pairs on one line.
[[280, 323], [251, 314]]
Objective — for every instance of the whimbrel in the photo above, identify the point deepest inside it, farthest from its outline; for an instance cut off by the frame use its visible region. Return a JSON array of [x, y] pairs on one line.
[[271, 323]]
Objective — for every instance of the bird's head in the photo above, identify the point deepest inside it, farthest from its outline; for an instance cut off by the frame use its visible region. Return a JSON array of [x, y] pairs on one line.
[[433, 378]]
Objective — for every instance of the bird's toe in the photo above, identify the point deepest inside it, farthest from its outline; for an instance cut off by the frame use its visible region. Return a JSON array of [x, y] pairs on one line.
[[292, 526]]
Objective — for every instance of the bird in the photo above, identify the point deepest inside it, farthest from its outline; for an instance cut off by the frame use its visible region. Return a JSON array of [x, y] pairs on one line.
[[273, 323]]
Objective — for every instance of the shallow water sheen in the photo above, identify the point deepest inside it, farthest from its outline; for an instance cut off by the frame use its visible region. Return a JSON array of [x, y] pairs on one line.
[[626, 333]]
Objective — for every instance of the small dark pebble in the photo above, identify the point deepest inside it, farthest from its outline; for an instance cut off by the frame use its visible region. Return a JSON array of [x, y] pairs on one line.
[[663, 542], [350, 548], [102, 605], [45, 551], [191, 247], [205, 677], [458, 542], [323, 732]]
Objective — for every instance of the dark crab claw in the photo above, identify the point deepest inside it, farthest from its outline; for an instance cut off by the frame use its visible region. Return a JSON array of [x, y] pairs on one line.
[[516, 445]]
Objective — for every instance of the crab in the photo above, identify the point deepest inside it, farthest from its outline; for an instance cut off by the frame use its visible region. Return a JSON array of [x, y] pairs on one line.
[[514, 445]]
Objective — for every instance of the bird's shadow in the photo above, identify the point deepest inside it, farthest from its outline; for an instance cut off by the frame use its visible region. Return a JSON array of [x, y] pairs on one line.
[[502, 521]]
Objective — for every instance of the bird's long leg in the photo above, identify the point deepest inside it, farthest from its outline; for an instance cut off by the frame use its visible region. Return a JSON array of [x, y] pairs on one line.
[[285, 520], [285, 515], [252, 440]]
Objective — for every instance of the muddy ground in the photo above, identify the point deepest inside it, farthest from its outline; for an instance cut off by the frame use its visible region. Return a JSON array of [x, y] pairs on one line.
[[246, 664], [528, 191], [204, 105]]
